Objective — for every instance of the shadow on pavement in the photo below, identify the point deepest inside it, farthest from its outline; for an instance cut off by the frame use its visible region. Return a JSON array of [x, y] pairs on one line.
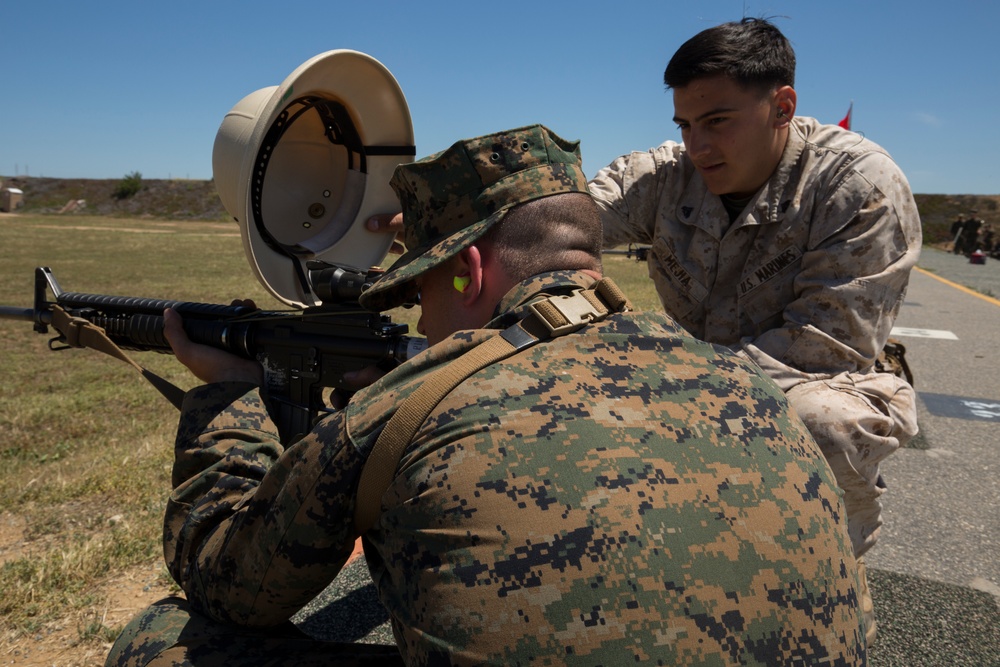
[[921, 623]]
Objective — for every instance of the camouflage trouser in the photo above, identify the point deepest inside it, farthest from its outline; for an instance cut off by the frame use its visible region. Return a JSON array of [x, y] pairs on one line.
[[858, 419], [169, 633]]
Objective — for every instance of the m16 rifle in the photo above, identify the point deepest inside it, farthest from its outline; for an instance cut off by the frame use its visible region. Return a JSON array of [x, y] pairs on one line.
[[300, 167], [304, 353]]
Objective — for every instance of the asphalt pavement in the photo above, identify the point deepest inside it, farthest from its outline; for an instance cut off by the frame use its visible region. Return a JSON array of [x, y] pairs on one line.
[[935, 574]]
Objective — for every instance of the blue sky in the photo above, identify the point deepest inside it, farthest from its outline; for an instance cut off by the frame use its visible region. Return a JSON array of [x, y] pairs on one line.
[[102, 89]]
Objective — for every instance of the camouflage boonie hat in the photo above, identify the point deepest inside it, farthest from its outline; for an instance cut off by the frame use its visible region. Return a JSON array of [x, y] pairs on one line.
[[452, 198]]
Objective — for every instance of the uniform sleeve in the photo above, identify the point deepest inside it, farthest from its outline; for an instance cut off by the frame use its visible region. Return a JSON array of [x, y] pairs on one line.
[[254, 531], [865, 238], [628, 194]]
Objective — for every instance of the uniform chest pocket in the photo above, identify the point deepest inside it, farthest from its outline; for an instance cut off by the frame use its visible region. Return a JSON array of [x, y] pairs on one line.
[[766, 290]]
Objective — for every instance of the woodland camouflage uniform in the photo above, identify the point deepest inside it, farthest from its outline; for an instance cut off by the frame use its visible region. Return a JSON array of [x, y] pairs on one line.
[[621, 494]]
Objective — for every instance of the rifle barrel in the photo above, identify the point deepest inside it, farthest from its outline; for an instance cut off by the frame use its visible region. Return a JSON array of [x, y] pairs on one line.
[[17, 313]]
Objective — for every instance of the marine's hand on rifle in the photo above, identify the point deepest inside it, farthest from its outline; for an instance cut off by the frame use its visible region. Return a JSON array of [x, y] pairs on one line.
[[355, 381], [209, 364], [389, 223]]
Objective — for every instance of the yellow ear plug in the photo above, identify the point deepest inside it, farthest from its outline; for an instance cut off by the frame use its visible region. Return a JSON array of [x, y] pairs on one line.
[[461, 283]]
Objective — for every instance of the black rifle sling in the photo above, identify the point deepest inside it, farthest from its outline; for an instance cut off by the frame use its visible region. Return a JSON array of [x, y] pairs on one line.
[[549, 318], [78, 332]]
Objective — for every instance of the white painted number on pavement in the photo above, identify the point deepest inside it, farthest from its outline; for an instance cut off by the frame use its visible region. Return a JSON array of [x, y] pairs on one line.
[[923, 333], [984, 410]]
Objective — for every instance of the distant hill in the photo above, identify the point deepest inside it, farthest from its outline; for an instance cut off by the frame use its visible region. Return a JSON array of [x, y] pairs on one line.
[[938, 212], [180, 199], [176, 199]]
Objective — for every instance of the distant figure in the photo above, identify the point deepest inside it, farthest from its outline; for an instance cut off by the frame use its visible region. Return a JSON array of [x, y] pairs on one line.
[[988, 240], [969, 236], [956, 231]]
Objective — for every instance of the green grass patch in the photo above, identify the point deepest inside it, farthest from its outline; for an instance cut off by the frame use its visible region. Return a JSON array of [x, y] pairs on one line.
[[85, 442], [633, 279]]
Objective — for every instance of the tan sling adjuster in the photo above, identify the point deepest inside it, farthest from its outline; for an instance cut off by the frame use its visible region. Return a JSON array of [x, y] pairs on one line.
[[564, 314], [79, 332]]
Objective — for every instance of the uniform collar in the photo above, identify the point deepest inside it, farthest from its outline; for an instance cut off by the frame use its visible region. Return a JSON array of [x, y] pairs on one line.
[[772, 199], [514, 305]]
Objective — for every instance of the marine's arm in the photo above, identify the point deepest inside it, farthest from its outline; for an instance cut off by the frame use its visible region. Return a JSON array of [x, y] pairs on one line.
[[253, 531], [865, 238], [628, 194]]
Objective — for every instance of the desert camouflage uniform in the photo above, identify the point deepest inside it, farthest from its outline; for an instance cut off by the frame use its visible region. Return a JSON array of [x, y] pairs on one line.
[[807, 282], [621, 494]]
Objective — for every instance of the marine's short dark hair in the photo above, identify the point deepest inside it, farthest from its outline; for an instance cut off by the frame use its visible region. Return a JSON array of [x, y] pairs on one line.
[[752, 51], [560, 232]]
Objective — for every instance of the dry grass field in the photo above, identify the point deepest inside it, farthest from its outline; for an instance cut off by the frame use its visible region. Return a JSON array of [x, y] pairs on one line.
[[85, 442]]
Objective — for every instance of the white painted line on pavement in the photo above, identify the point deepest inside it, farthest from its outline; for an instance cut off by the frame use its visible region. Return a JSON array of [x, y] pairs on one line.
[[982, 409], [961, 407], [922, 333]]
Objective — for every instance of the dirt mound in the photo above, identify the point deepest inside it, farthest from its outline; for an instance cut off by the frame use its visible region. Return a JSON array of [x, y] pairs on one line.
[[176, 199], [180, 199]]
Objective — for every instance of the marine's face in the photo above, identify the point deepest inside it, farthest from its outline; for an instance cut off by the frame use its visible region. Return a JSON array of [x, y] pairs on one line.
[[731, 133]]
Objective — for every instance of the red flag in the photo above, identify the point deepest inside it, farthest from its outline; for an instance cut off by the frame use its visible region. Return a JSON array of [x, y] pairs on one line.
[[846, 122]]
